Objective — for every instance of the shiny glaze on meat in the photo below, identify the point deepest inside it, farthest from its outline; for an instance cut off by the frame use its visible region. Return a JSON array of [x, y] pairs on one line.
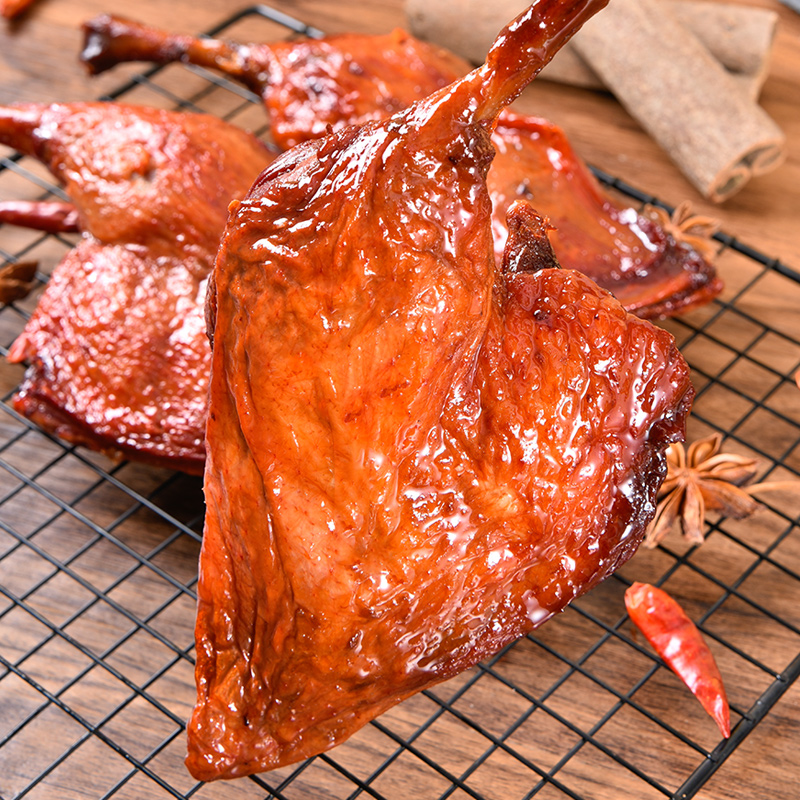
[[306, 84], [629, 254], [414, 457], [119, 359], [349, 79], [309, 84]]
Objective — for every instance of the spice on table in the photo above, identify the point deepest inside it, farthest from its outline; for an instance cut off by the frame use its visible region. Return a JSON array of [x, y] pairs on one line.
[[701, 479], [695, 230], [680, 644]]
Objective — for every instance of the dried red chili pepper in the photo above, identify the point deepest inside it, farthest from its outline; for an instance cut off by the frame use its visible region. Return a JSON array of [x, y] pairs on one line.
[[679, 643]]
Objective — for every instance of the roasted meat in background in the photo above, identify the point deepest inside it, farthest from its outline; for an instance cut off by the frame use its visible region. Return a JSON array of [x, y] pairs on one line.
[[652, 272], [119, 359], [306, 85], [414, 457], [340, 80]]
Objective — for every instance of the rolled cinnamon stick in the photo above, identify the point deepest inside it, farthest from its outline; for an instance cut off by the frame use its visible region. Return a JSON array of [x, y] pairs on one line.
[[662, 73], [681, 96], [570, 69], [739, 37]]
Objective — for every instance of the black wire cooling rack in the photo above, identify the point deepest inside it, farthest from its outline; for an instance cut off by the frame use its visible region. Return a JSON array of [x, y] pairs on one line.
[[98, 569]]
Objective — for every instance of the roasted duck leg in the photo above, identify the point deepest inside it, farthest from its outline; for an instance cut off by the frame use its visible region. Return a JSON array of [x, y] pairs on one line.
[[413, 457], [118, 355], [340, 80], [306, 85]]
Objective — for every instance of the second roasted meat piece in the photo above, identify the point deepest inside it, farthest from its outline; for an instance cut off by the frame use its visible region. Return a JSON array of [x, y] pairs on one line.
[[651, 271], [117, 351], [308, 84], [413, 457]]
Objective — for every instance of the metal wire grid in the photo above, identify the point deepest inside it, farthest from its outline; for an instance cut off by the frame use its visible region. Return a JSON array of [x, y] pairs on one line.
[[98, 568]]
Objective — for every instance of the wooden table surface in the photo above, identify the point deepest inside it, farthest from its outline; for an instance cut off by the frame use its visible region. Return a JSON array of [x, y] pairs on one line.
[[38, 63]]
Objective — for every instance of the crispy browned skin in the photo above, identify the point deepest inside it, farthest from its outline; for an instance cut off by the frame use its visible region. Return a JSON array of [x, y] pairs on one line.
[[631, 255], [414, 458], [118, 355], [341, 80]]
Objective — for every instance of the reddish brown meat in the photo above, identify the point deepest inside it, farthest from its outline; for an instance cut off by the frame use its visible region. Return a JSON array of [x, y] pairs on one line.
[[644, 267], [310, 84], [51, 217], [118, 355], [306, 85], [414, 458]]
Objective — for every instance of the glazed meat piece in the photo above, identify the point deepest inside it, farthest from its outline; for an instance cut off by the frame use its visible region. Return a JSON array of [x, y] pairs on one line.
[[306, 85], [117, 351], [652, 272], [310, 84], [413, 457]]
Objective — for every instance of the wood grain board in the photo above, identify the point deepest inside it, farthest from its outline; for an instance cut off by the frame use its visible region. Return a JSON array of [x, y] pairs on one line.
[[98, 561]]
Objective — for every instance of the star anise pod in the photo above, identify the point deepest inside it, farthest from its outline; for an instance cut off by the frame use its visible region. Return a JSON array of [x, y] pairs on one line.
[[701, 479], [695, 230]]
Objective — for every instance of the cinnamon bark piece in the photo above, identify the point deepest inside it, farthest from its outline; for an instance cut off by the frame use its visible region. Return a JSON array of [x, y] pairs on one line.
[[739, 37], [682, 97]]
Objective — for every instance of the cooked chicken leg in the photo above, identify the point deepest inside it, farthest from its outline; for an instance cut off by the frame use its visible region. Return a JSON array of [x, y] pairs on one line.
[[119, 359], [414, 458], [310, 84]]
